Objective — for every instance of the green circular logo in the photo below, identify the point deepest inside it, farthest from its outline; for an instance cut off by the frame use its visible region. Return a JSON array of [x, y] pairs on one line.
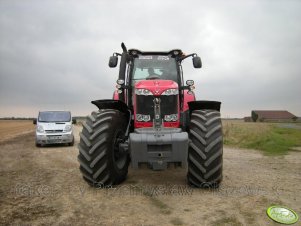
[[282, 215]]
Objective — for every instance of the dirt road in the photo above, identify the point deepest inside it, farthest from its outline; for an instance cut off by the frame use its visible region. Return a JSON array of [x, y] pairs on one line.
[[43, 186]]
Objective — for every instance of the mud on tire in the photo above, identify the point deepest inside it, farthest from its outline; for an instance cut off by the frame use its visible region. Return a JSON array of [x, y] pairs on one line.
[[101, 163], [205, 153]]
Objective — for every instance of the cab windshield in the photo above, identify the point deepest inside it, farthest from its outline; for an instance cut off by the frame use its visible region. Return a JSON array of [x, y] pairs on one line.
[[155, 67]]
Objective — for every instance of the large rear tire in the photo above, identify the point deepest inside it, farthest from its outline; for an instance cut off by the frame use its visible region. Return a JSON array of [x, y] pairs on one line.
[[101, 162], [205, 154]]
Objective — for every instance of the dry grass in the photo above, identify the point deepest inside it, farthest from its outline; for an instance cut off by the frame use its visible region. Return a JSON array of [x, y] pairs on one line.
[[12, 128], [237, 131]]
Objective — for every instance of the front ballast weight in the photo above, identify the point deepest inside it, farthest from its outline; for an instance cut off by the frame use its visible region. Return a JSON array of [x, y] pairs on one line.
[[158, 146]]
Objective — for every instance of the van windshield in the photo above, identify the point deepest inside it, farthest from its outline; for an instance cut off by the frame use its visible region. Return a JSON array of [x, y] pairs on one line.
[[54, 116]]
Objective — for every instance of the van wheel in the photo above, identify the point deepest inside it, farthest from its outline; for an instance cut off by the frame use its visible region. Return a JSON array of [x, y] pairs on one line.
[[72, 143]]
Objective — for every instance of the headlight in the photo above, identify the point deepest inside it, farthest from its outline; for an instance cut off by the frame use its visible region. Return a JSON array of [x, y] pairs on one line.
[[40, 129], [68, 128], [141, 118], [173, 117], [144, 92], [169, 92]]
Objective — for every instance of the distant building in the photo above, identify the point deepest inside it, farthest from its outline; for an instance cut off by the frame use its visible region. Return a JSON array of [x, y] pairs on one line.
[[272, 116]]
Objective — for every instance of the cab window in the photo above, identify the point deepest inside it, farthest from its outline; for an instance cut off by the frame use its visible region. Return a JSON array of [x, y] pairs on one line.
[[154, 67]]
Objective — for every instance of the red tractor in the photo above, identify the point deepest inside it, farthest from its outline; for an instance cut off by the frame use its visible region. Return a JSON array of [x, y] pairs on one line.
[[153, 119]]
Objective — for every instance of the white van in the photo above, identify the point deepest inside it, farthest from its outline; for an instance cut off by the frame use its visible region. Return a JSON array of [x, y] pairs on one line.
[[54, 127]]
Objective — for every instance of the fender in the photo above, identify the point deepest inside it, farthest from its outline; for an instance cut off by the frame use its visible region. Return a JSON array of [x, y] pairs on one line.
[[112, 104], [204, 104]]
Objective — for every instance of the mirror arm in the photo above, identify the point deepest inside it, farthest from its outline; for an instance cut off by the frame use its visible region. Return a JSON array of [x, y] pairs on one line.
[[189, 55], [184, 87], [116, 54]]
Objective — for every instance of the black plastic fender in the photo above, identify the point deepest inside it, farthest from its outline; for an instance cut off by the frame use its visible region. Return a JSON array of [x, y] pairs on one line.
[[203, 105], [116, 105], [112, 104]]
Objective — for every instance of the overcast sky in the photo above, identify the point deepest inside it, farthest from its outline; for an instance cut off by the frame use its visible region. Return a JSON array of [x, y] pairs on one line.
[[54, 54]]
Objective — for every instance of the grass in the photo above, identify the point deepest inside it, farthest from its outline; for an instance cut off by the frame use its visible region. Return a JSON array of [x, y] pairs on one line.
[[268, 137]]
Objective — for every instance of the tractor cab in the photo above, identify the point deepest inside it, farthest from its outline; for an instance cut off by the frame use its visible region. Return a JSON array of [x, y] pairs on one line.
[[144, 75]]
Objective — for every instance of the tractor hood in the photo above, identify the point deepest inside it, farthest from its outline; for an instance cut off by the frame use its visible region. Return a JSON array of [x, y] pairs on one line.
[[156, 86]]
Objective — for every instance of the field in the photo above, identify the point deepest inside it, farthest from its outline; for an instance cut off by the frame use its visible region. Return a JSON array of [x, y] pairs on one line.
[[42, 186], [271, 138], [12, 128]]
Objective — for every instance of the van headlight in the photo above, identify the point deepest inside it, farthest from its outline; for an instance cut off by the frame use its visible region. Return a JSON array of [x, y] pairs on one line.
[[68, 128], [40, 129]]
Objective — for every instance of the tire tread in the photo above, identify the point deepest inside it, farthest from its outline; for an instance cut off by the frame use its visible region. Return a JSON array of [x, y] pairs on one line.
[[205, 154]]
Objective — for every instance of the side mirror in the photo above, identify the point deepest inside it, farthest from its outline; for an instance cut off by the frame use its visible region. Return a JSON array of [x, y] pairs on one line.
[[113, 61], [73, 121], [34, 121], [197, 63]]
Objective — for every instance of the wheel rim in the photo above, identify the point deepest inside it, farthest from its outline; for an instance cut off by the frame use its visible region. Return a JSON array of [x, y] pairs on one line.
[[118, 157]]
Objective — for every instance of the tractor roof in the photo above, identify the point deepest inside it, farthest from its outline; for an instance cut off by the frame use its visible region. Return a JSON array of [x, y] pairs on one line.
[[173, 53]]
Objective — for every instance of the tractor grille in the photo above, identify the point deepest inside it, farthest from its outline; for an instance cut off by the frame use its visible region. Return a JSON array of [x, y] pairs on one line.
[[145, 105]]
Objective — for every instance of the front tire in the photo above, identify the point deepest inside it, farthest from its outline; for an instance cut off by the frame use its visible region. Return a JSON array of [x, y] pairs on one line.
[[205, 154], [101, 163]]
